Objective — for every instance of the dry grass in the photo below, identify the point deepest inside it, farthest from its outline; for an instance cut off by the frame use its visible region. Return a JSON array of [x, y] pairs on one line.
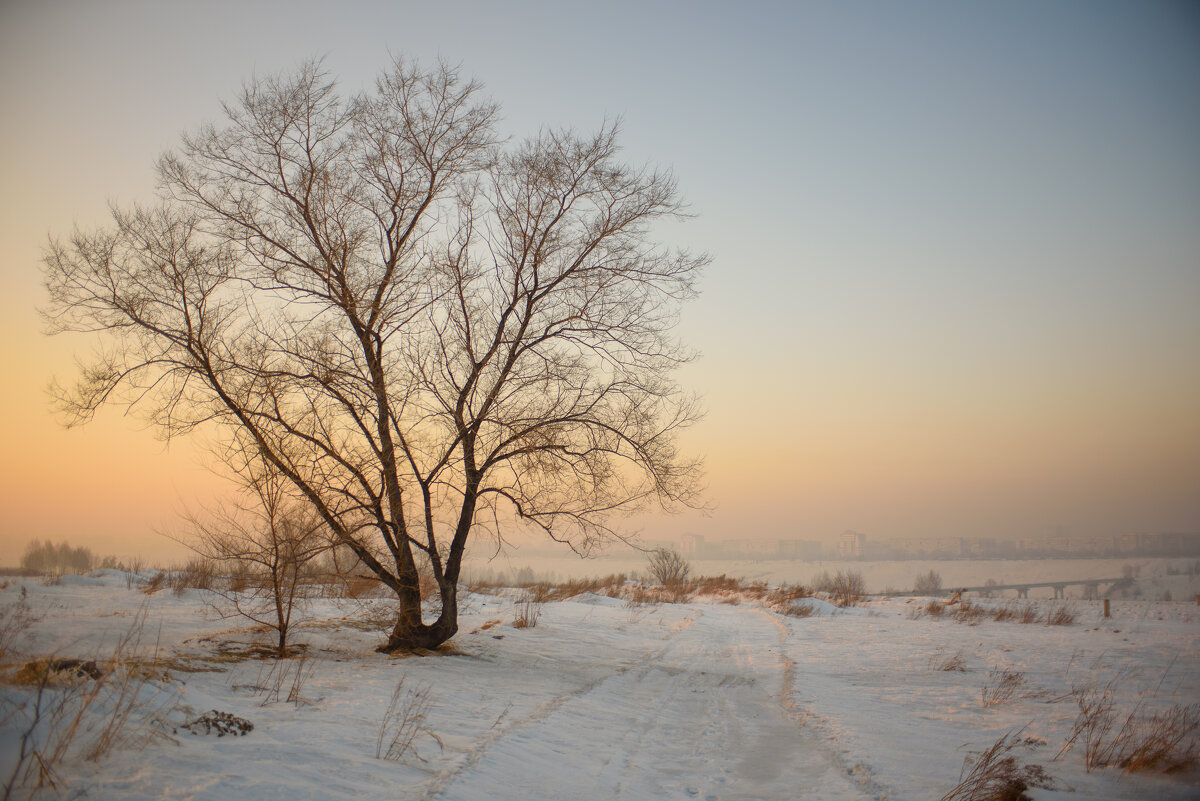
[[404, 722], [640, 595], [361, 587], [1060, 616], [797, 609], [717, 585], [613, 586], [1020, 613], [723, 588], [490, 624], [156, 583], [196, 574], [955, 662], [1166, 741], [15, 619], [969, 613], [83, 708], [786, 593], [996, 774], [1028, 614], [282, 675], [1001, 686], [529, 609]]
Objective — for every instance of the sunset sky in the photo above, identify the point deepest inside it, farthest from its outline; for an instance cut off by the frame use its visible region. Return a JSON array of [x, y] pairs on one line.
[[955, 287]]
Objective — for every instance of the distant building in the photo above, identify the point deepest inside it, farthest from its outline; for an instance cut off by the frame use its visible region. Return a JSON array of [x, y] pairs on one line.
[[851, 545]]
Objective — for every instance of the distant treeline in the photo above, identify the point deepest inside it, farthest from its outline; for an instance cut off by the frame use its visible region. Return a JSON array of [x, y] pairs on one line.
[[46, 557]]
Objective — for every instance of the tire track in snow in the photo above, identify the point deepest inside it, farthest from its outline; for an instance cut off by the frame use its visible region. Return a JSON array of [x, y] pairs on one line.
[[862, 774], [700, 718], [437, 786]]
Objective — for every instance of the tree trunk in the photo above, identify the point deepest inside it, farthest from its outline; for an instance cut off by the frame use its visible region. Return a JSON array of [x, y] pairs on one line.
[[412, 634]]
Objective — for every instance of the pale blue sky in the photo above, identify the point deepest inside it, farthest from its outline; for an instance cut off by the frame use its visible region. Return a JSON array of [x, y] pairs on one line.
[[956, 276]]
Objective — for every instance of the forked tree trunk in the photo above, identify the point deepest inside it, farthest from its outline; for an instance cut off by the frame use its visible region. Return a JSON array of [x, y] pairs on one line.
[[411, 633]]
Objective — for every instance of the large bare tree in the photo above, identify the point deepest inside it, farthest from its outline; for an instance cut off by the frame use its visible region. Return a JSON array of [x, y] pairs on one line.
[[427, 331]]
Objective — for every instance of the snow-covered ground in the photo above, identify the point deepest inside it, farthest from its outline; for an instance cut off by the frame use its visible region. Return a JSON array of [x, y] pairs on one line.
[[603, 699]]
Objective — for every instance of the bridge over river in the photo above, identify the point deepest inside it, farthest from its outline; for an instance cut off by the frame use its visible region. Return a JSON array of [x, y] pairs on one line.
[[1091, 588]]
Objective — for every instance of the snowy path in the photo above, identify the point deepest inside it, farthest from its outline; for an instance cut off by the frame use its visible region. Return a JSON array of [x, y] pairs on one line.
[[703, 717]]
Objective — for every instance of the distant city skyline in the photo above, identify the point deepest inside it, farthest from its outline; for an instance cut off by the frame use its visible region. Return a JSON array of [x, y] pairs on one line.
[[856, 545]]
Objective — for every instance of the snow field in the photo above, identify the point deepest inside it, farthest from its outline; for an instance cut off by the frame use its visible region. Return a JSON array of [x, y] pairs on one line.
[[601, 700]]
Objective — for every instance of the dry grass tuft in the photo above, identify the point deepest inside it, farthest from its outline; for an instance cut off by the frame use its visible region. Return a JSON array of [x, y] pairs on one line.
[[1022, 613], [996, 774], [529, 609], [404, 722], [490, 624], [640, 595], [716, 585], [282, 675], [955, 662], [197, 574], [1060, 616], [1167, 741], [1028, 614], [970, 613], [1001, 686], [798, 609], [156, 583], [15, 619], [787, 592]]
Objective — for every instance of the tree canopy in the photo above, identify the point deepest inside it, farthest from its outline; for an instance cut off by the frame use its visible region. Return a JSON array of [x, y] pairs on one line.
[[424, 329]]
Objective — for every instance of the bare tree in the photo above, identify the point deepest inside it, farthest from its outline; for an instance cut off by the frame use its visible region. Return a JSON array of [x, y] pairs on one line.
[[273, 537], [928, 583], [426, 332], [668, 567]]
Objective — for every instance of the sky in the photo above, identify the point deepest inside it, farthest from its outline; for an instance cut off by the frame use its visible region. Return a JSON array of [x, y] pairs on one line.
[[955, 287]]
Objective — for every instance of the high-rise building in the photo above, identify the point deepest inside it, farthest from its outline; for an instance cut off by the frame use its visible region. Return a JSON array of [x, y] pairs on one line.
[[851, 545]]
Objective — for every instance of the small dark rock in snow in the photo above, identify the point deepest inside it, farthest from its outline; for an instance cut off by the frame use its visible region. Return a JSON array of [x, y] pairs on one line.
[[220, 722], [84, 669]]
